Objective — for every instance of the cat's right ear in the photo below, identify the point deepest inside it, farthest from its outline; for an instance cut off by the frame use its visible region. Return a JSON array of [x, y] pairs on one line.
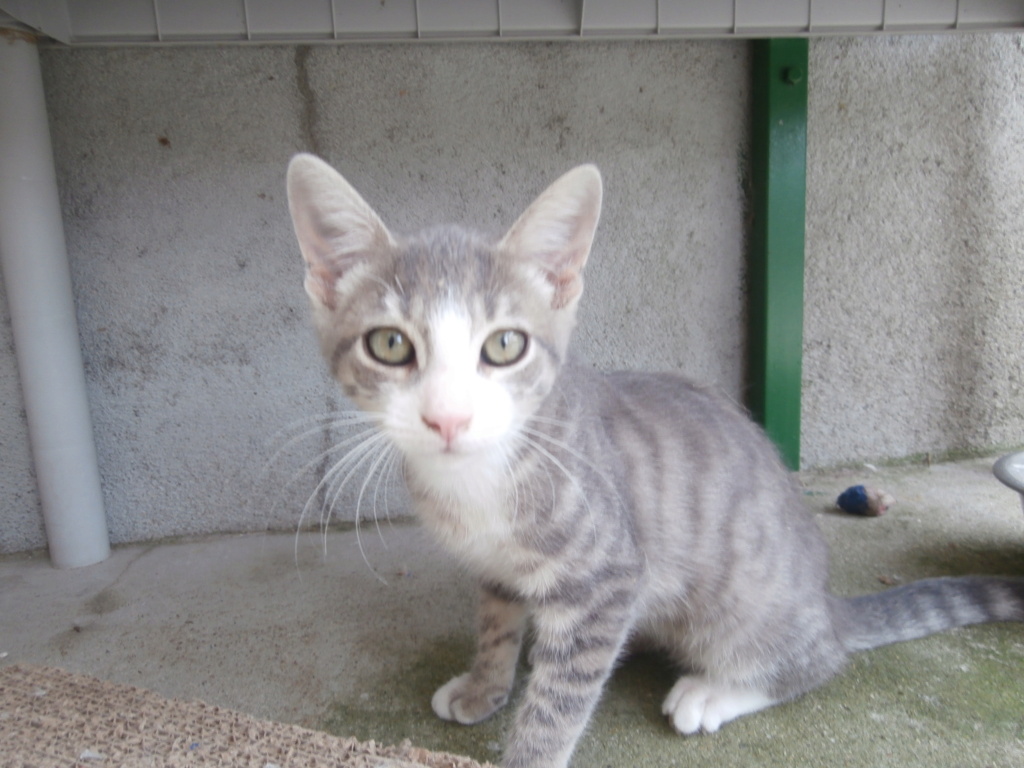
[[557, 231], [334, 225]]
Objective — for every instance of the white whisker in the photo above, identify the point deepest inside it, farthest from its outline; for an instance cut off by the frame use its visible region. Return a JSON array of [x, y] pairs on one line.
[[538, 419], [569, 475], [370, 449], [326, 479], [366, 434], [514, 482], [386, 479], [576, 455], [384, 454], [319, 424], [368, 439], [323, 422]]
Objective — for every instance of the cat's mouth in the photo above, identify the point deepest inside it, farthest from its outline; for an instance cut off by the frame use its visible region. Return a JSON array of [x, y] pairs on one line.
[[458, 448], [427, 447]]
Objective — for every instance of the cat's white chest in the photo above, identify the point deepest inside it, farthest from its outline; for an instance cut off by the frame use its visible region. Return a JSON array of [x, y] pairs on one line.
[[482, 524], [473, 514], [461, 497]]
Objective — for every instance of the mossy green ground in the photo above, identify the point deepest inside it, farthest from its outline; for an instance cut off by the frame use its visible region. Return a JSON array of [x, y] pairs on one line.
[[953, 700]]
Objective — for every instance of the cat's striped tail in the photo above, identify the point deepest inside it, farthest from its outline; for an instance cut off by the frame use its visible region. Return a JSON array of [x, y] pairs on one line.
[[925, 607]]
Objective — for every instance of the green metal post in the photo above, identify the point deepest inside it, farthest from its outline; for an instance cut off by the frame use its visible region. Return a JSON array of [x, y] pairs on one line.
[[776, 258]]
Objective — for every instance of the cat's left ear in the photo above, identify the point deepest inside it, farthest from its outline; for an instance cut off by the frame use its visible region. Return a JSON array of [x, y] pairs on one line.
[[334, 225], [558, 229]]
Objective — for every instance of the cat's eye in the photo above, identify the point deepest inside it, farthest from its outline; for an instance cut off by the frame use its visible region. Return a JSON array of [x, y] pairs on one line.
[[504, 347], [390, 346]]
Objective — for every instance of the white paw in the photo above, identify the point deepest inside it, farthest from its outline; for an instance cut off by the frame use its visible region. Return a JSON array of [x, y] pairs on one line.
[[464, 702], [443, 698], [698, 704]]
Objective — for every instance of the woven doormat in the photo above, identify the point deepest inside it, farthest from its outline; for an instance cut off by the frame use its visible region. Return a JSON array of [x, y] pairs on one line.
[[50, 718]]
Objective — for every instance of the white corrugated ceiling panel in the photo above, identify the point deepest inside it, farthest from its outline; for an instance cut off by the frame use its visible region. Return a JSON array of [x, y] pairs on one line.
[[169, 21]]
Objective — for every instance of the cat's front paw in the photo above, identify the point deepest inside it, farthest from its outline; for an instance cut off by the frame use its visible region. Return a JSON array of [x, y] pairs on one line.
[[468, 701]]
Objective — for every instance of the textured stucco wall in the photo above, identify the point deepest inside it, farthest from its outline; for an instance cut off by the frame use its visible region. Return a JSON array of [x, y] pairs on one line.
[[192, 315], [200, 361], [914, 321]]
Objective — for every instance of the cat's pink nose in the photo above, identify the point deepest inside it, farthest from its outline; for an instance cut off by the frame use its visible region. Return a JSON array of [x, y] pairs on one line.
[[448, 425]]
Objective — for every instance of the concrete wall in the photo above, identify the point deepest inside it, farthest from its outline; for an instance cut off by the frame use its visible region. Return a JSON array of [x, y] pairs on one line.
[[200, 361], [914, 323]]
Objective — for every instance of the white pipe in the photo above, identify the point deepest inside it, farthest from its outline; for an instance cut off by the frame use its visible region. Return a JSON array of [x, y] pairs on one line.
[[37, 277]]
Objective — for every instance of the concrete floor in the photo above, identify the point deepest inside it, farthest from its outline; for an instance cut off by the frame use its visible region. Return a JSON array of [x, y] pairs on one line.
[[305, 630]]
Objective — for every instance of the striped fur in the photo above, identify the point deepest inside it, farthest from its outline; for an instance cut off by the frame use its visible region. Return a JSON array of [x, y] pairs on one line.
[[607, 508]]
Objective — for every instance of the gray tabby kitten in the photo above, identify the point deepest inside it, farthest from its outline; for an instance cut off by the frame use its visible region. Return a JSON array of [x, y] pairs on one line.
[[606, 508]]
